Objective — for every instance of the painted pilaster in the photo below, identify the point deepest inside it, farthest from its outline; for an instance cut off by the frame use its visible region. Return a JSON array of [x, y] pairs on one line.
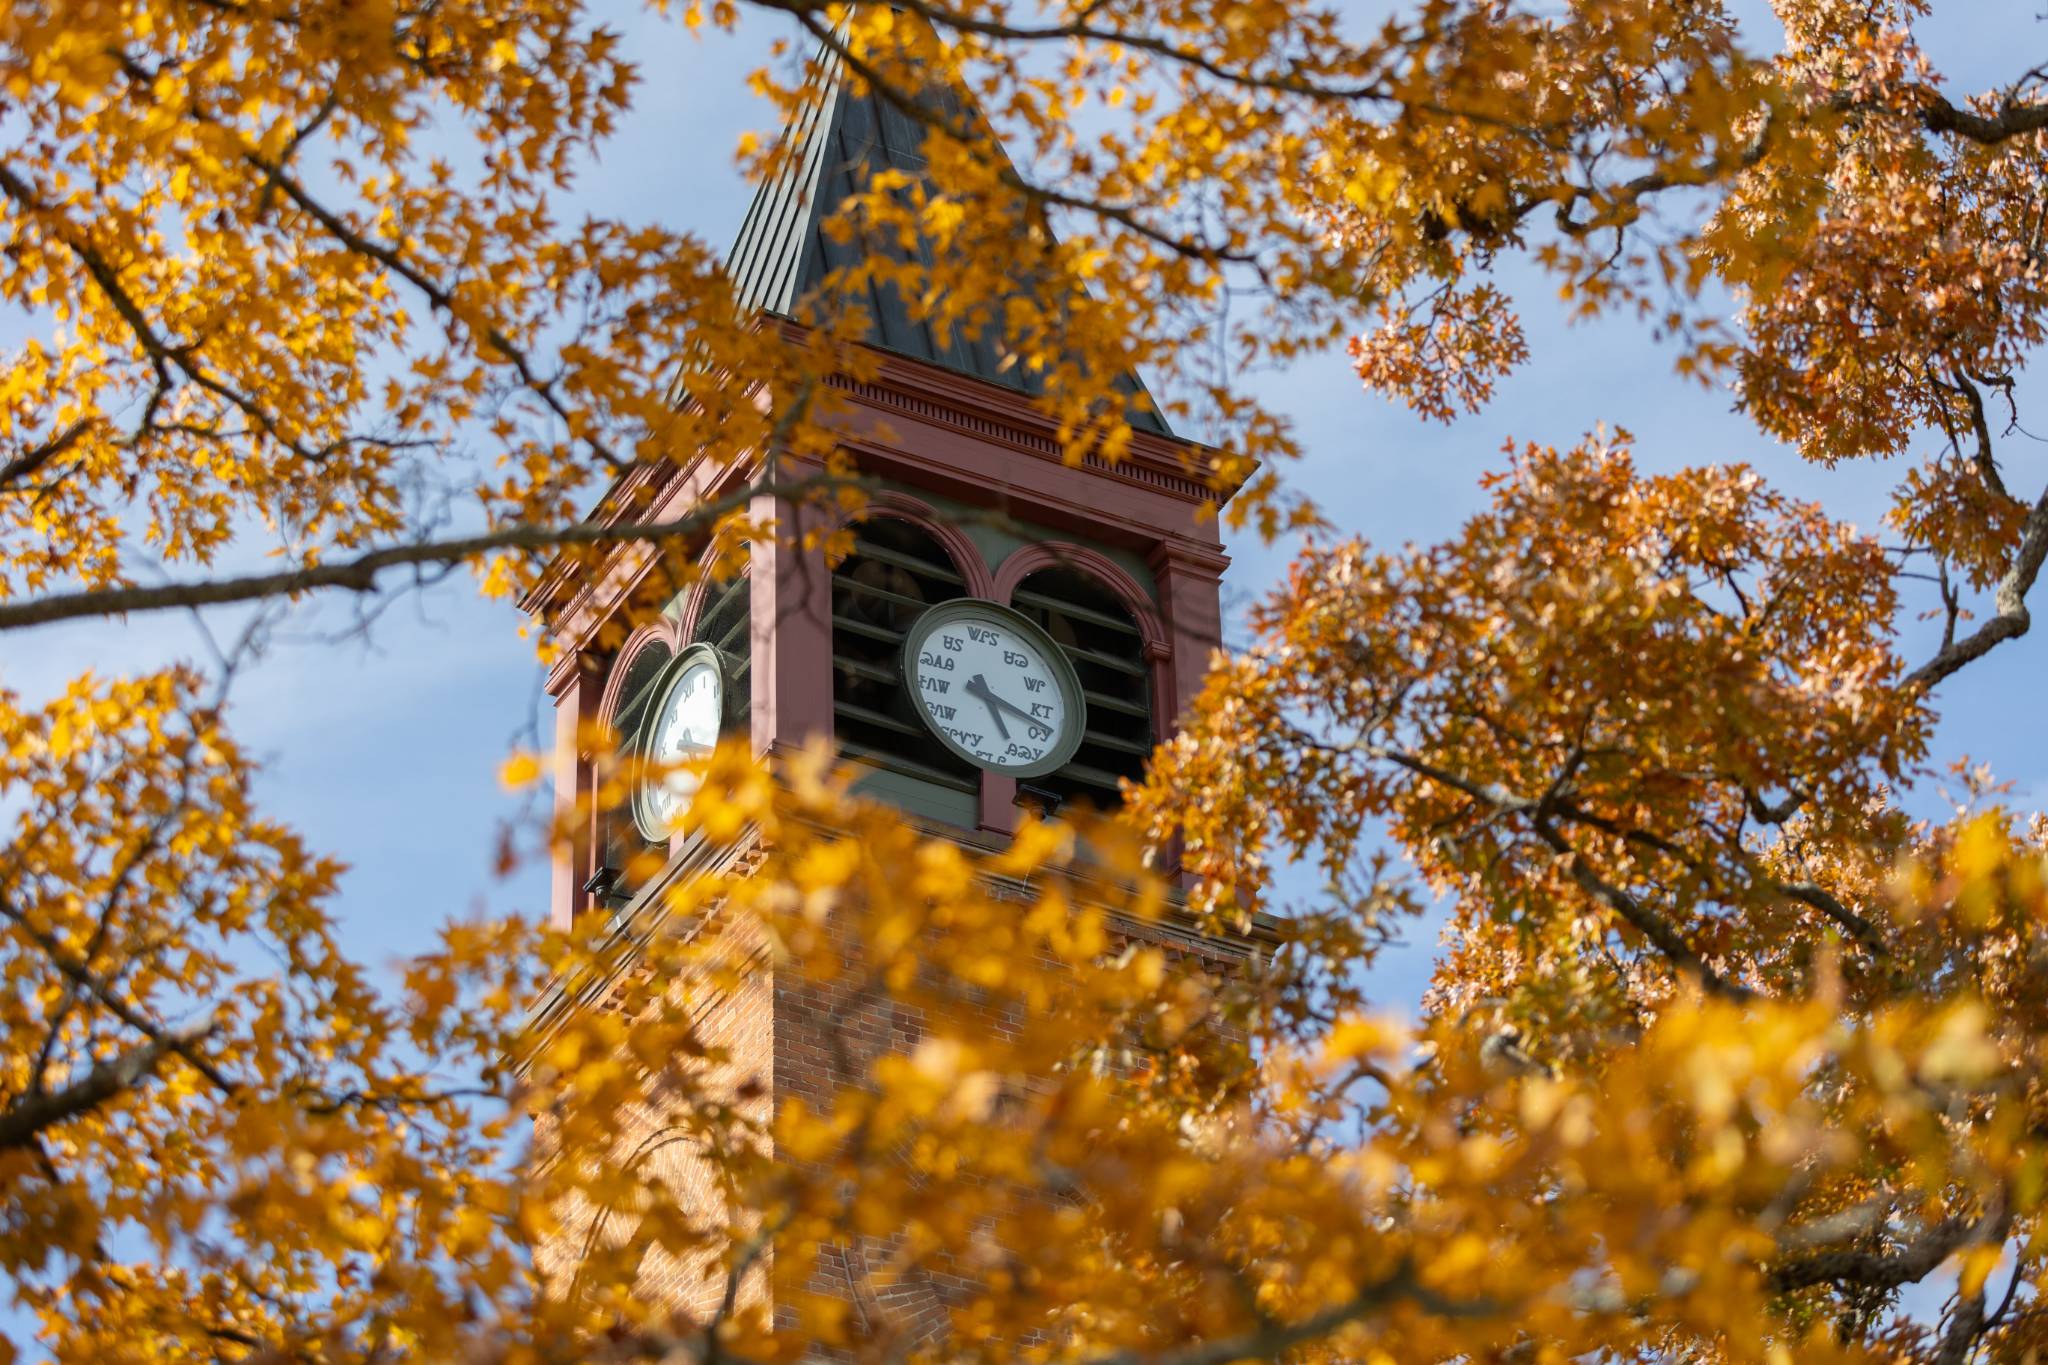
[[1189, 578], [575, 685], [791, 635]]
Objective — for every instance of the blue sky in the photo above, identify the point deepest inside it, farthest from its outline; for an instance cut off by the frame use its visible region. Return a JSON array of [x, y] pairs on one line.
[[384, 750]]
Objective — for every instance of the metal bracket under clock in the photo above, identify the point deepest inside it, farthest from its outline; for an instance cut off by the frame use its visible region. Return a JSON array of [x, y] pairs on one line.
[[1046, 799], [604, 886]]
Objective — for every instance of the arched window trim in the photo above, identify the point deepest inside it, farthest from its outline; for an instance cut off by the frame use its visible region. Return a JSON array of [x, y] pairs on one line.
[[971, 577], [967, 558], [1060, 554], [661, 632], [700, 592]]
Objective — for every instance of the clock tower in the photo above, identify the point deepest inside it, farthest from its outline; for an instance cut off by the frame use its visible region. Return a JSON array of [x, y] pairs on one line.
[[1008, 631]]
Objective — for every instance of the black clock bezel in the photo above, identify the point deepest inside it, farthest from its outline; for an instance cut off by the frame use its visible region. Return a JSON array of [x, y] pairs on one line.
[[671, 677], [1064, 677]]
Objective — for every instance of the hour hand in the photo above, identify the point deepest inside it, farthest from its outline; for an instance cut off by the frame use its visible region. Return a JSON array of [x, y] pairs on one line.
[[1009, 705], [977, 686]]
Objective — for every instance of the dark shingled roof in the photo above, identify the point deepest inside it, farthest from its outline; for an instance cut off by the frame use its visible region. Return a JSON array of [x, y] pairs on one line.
[[783, 254]]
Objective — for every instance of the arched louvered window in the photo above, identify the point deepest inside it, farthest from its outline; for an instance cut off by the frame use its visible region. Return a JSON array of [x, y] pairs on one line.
[[895, 571], [725, 621], [625, 856], [1091, 624], [623, 853]]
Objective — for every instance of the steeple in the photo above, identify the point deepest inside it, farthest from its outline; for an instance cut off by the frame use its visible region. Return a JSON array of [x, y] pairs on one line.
[[839, 139]]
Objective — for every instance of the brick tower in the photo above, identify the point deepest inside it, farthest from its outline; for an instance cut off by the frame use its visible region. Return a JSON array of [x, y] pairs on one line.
[[1109, 566]]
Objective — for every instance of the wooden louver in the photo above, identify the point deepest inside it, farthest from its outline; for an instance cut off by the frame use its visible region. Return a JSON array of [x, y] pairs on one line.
[[896, 570], [725, 621], [1098, 636]]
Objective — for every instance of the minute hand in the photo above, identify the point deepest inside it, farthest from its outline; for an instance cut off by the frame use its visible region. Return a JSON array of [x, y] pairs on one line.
[[1009, 706], [978, 687]]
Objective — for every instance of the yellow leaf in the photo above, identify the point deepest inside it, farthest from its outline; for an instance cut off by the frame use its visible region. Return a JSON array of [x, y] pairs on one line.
[[520, 770]]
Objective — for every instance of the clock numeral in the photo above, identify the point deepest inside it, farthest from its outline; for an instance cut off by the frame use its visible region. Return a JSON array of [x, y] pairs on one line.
[[952, 642], [982, 635], [1042, 709], [931, 660], [942, 712], [1016, 660], [938, 685], [1035, 684], [1040, 732]]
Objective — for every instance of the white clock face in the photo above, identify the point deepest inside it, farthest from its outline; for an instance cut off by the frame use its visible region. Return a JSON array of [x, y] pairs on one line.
[[682, 729], [994, 688]]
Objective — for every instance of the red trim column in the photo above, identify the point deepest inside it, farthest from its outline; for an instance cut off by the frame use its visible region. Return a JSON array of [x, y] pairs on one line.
[[791, 635], [576, 687], [1189, 578], [998, 803]]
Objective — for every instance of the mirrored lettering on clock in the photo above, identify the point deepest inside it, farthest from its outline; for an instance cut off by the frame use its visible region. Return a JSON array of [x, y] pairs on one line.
[[991, 684]]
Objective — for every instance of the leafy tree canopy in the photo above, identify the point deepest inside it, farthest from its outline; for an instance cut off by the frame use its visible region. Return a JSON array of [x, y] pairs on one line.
[[1725, 1048]]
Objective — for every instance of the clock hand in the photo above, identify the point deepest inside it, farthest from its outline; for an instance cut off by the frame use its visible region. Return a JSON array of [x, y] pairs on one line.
[[1010, 705], [977, 686]]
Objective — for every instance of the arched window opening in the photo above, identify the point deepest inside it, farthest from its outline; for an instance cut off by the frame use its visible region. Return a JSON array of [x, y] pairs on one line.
[[1101, 639], [725, 621], [623, 852], [896, 570], [626, 857]]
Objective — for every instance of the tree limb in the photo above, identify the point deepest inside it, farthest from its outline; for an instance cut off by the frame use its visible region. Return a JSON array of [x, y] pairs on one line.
[[2012, 618], [112, 1000], [28, 1117], [1270, 1341], [360, 573], [1646, 921], [2015, 120], [34, 458], [1825, 901], [1878, 1269], [1986, 464]]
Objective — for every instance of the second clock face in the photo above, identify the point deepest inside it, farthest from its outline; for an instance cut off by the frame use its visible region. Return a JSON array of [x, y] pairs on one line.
[[994, 688], [682, 728]]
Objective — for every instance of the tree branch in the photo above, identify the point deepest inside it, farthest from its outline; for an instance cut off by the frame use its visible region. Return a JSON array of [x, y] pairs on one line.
[[23, 1121], [111, 1000], [360, 573], [1268, 1342], [2011, 620], [1123, 214], [2015, 120], [1825, 901], [34, 458], [1987, 466], [1877, 1269], [1646, 921]]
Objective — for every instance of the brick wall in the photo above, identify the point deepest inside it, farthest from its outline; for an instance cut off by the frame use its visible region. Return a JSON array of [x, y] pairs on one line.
[[788, 1037]]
